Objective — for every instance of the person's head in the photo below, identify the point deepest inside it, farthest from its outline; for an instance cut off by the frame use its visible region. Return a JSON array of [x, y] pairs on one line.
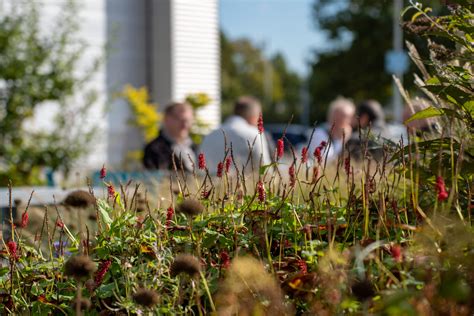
[[178, 118], [248, 108], [369, 112], [340, 113]]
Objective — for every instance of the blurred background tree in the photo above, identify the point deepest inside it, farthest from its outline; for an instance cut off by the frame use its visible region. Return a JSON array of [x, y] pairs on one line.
[[359, 33], [35, 69], [245, 70]]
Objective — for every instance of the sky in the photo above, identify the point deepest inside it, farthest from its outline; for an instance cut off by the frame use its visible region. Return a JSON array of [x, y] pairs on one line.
[[281, 25]]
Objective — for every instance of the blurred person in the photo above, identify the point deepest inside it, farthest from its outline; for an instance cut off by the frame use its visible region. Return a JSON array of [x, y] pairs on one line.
[[369, 114], [369, 130], [240, 132], [173, 138], [338, 127]]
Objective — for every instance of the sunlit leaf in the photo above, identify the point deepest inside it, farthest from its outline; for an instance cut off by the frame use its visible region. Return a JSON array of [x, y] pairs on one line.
[[426, 113]]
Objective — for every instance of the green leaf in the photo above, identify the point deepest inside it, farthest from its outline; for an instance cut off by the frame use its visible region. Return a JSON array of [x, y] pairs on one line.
[[426, 113], [265, 167], [4, 271], [106, 290], [104, 210], [469, 106], [433, 81]]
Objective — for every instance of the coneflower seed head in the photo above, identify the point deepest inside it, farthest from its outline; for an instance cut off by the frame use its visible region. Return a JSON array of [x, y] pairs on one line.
[[185, 263], [79, 267], [80, 199], [145, 297], [190, 207]]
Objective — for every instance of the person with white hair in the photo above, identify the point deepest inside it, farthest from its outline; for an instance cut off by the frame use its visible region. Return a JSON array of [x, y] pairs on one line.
[[329, 136], [249, 147]]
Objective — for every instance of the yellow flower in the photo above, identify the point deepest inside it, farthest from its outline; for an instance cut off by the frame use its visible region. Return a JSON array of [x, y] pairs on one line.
[[145, 114]]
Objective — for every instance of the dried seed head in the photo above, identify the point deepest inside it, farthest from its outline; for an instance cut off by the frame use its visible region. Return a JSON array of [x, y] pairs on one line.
[[79, 267], [363, 290], [249, 290], [184, 263], [145, 297], [85, 303], [80, 199], [191, 207]]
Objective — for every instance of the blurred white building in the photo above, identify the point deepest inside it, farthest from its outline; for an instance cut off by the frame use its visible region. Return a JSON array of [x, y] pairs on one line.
[[170, 46]]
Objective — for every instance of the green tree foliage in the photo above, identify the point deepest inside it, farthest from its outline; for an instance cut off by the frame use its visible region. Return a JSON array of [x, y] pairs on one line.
[[359, 33], [246, 71], [37, 68]]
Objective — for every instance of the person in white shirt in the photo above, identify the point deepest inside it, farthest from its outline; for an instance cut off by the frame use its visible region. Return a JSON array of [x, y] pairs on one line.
[[338, 127], [242, 134]]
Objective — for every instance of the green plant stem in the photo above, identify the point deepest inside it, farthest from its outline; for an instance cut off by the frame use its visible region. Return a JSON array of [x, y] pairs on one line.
[[208, 292]]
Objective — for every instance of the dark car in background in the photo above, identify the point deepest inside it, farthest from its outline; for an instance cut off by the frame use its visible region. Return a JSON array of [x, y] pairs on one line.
[[295, 134]]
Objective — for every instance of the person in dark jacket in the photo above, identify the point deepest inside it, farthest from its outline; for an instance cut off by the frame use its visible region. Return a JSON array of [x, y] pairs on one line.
[[369, 126], [173, 139]]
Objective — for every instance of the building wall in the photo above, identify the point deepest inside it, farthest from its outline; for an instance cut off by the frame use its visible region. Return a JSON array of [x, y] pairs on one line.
[[125, 64], [170, 46], [195, 35], [176, 53]]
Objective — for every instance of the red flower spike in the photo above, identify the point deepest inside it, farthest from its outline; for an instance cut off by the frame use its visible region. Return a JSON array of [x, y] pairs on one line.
[[59, 223], [280, 148], [220, 167], [304, 155], [12, 250], [347, 165], [103, 172], [228, 163], [202, 161], [205, 194], [24, 219], [315, 173], [225, 260], [443, 196], [396, 252], [111, 191], [100, 274], [302, 266], [169, 216], [260, 124], [291, 172], [317, 154], [261, 191], [441, 188]]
